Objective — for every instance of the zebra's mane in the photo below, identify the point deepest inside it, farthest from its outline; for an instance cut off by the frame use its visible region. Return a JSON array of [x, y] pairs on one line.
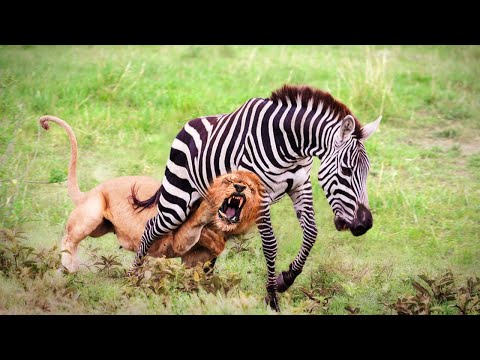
[[306, 93]]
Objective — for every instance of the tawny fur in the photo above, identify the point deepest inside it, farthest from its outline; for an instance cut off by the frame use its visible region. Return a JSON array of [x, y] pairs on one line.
[[223, 186], [106, 208]]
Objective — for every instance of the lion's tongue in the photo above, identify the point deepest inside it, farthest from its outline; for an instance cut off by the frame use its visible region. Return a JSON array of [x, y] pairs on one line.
[[230, 212]]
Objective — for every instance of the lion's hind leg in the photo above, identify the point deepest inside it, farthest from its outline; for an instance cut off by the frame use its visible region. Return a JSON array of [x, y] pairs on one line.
[[85, 220]]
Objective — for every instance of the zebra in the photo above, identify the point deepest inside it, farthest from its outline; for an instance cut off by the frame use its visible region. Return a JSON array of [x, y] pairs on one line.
[[276, 138]]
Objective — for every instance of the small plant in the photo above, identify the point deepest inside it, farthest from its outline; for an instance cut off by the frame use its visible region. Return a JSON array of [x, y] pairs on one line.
[[57, 175], [110, 265], [438, 291], [352, 311], [412, 305], [12, 253], [213, 282], [161, 276], [239, 244], [468, 299], [474, 161], [321, 288], [18, 259], [315, 301], [322, 282], [441, 288], [43, 290], [448, 133]]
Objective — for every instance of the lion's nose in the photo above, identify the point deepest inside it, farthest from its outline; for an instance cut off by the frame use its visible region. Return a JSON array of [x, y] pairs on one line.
[[239, 187]]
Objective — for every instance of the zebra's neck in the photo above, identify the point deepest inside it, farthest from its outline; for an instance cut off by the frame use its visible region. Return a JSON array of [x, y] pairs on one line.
[[321, 133], [310, 130]]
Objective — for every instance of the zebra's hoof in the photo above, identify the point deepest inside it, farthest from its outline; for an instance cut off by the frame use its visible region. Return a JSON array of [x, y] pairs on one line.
[[281, 285], [271, 299], [132, 272], [284, 280]]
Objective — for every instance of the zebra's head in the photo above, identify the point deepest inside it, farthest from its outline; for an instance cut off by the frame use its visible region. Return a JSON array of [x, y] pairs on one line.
[[343, 176]]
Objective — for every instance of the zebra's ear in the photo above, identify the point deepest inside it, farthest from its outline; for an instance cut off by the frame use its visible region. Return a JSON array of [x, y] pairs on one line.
[[347, 128], [370, 128]]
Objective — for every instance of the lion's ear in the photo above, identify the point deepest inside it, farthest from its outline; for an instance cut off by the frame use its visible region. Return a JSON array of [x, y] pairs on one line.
[[256, 180]]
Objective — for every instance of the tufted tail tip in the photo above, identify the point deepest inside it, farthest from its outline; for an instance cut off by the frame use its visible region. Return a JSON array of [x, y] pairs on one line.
[[44, 122]]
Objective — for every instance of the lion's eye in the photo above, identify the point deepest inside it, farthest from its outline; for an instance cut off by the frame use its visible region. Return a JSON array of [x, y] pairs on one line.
[[346, 171]]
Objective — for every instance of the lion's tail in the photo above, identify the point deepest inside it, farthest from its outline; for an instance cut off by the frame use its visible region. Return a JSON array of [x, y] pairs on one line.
[[73, 190], [144, 204]]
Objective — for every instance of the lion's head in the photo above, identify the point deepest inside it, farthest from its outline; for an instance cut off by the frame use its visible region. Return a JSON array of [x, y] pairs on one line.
[[236, 198]]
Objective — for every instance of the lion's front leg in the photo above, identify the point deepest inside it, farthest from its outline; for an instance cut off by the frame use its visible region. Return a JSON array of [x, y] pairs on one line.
[[213, 241], [198, 255], [209, 246], [188, 234]]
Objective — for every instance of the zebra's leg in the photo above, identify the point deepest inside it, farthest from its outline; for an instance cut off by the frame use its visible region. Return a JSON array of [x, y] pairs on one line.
[[165, 221], [269, 244], [302, 198], [153, 231]]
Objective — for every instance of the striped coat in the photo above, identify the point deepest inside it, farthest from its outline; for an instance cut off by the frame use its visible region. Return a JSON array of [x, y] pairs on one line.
[[276, 138]]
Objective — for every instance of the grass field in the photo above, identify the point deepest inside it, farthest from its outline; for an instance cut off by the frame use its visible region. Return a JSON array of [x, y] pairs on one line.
[[126, 104]]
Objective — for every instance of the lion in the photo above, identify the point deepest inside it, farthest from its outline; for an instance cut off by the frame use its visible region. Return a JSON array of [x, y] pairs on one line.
[[230, 208]]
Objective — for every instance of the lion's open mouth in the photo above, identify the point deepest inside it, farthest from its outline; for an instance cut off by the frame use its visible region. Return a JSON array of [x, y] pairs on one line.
[[231, 208]]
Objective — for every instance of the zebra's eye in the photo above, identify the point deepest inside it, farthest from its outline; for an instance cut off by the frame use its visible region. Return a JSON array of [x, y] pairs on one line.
[[346, 171]]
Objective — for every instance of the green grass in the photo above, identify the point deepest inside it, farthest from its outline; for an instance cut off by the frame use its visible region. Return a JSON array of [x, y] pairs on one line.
[[127, 103]]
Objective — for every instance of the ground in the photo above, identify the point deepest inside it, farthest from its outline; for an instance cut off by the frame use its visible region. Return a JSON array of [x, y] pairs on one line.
[[127, 103]]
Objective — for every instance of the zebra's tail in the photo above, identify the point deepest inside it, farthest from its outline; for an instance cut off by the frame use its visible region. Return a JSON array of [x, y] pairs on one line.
[[143, 204]]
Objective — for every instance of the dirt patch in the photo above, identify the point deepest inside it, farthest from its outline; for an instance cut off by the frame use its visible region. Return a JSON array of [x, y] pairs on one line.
[[467, 146], [467, 143], [470, 148]]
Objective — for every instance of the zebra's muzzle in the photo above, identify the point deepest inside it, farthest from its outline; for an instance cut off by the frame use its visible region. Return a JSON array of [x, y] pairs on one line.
[[362, 222], [231, 208], [340, 224]]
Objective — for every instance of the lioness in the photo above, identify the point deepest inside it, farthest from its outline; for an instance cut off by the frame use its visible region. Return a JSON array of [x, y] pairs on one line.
[[230, 208]]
